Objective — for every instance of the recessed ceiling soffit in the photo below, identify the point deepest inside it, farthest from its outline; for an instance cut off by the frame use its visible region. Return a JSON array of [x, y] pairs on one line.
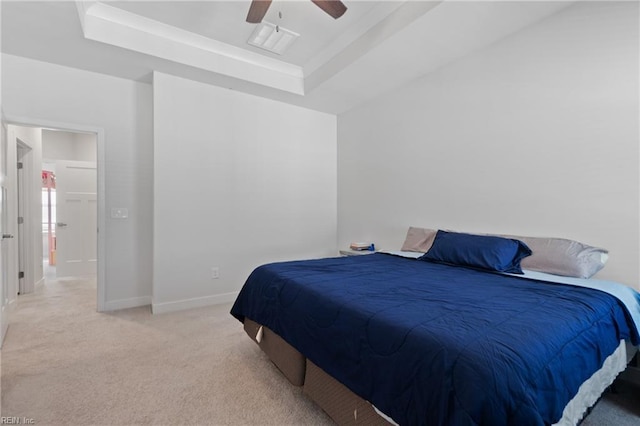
[[109, 24]]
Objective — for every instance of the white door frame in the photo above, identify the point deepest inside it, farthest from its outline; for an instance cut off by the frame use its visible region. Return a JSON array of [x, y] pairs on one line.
[[27, 283], [4, 281], [100, 160]]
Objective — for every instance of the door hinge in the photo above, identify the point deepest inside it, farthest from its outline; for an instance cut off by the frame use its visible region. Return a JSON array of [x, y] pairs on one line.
[[20, 274], [19, 165], [20, 220]]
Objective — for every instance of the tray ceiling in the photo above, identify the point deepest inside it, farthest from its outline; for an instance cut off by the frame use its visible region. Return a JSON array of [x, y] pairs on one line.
[[333, 66]]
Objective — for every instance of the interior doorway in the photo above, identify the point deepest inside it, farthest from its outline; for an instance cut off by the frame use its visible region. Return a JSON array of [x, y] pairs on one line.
[[32, 171], [69, 203]]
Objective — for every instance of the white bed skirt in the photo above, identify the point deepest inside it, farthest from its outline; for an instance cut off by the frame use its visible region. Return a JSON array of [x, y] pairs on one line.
[[592, 389]]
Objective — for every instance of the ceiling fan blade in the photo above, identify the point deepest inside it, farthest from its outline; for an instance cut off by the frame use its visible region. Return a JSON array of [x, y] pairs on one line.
[[334, 8], [257, 10]]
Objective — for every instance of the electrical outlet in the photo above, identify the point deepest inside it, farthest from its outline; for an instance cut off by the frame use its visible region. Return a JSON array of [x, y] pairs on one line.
[[215, 273]]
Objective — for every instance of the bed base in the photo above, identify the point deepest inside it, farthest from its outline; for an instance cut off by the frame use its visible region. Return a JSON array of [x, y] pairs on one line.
[[342, 405], [347, 408], [288, 360]]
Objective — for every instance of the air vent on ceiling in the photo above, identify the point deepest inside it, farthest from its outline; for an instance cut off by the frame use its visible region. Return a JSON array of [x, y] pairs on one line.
[[271, 37]]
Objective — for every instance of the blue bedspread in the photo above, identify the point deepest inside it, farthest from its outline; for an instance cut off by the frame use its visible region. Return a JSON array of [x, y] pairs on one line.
[[434, 344]]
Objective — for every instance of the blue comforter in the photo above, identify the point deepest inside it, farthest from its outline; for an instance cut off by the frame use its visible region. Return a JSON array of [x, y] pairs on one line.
[[434, 344]]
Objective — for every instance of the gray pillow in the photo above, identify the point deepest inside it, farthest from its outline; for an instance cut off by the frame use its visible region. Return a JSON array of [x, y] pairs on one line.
[[564, 257], [419, 239]]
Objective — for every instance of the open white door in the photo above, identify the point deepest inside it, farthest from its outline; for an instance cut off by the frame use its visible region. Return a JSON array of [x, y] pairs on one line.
[[76, 226]]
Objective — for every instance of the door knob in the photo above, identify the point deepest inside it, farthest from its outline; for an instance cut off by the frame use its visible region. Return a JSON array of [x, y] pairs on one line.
[[5, 236], [61, 224]]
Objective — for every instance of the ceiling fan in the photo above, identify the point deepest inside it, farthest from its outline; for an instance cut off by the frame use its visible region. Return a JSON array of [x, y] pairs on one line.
[[335, 8]]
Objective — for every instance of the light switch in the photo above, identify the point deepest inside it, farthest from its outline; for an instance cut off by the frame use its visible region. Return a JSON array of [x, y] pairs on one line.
[[119, 213]]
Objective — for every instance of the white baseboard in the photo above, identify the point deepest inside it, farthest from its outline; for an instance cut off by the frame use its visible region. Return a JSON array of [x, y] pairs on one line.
[[198, 302], [133, 302]]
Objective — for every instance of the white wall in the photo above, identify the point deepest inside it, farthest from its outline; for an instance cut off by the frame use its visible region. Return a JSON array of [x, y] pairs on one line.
[[123, 108], [59, 145], [238, 181], [85, 147], [535, 135]]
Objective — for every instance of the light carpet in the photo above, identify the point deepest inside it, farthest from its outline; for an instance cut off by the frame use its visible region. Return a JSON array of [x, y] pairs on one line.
[[65, 364]]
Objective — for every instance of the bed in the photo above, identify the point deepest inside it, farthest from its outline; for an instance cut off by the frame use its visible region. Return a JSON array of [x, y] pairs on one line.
[[387, 338]]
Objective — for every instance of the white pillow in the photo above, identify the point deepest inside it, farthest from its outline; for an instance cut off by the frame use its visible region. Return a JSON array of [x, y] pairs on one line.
[[561, 256], [419, 239]]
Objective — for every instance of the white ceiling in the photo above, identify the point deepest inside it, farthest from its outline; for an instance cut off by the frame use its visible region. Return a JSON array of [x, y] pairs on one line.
[[333, 66], [225, 21]]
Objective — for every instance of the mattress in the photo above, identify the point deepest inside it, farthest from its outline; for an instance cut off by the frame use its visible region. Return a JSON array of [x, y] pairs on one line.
[[284, 294]]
